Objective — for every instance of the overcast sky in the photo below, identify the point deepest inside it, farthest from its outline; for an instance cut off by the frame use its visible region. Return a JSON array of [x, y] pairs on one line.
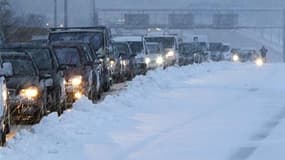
[[80, 10]]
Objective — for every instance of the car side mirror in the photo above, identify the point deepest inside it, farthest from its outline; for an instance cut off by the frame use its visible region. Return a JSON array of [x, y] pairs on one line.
[[7, 69], [100, 56], [60, 73], [62, 67]]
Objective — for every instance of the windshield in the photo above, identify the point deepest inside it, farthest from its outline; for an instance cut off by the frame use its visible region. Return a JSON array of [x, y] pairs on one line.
[[186, 49], [225, 48], [192, 47], [42, 58], [167, 42], [121, 48], [215, 46], [136, 47], [68, 56], [245, 53], [95, 38], [153, 48], [21, 66]]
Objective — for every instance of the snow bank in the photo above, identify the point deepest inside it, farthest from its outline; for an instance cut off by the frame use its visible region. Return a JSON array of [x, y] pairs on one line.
[[206, 111]]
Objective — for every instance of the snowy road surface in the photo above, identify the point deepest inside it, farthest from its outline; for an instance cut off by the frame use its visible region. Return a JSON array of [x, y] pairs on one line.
[[216, 111]]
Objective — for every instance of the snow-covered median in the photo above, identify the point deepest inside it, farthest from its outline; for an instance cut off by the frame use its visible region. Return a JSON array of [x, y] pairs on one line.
[[211, 111]]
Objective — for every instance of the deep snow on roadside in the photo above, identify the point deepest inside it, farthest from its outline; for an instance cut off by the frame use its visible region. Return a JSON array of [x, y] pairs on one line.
[[209, 111]]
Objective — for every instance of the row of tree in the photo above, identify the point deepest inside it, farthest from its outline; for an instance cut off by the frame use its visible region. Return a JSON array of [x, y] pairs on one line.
[[12, 24]]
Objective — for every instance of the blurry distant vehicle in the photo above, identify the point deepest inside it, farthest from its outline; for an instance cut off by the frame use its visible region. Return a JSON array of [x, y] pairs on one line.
[[186, 55], [215, 51], [154, 57], [200, 51], [192, 53], [138, 48], [26, 99], [123, 62], [169, 44], [226, 50], [244, 55], [99, 38]]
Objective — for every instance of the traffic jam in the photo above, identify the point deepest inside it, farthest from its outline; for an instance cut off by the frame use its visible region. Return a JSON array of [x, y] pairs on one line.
[[41, 77]]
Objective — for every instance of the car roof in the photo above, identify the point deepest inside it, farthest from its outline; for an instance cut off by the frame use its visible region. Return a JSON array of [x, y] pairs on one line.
[[24, 45], [69, 43], [160, 36], [128, 39], [14, 53], [77, 31], [126, 43], [153, 43]]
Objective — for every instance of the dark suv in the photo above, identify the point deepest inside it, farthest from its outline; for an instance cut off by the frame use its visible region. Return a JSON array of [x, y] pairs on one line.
[[26, 97], [99, 39], [79, 69], [194, 52], [125, 59], [50, 76]]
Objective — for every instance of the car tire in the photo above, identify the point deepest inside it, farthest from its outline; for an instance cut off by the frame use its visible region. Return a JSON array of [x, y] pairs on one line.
[[60, 109], [37, 117], [2, 138], [45, 103], [107, 86], [7, 128]]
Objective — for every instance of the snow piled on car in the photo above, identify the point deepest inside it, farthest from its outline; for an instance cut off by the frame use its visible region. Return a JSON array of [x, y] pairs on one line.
[[208, 111]]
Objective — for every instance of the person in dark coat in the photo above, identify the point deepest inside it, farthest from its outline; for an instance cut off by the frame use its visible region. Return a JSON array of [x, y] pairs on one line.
[[263, 52]]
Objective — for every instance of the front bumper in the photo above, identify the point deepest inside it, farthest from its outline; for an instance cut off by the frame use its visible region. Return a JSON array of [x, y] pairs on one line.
[[73, 93], [186, 61], [153, 64], [170, 60], [23, 109]]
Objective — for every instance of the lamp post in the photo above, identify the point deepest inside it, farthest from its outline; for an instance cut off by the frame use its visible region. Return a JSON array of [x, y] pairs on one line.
[[55, 14], [65, 13], [94, 16]]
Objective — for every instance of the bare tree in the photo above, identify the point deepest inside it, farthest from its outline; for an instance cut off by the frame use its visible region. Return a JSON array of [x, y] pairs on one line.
[[6, 18]]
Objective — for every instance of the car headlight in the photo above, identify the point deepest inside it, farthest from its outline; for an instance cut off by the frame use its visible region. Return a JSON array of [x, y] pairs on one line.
[[30, 93], [235, 58], [147, 60], [76, 80], [259, 62], [170, 54], [5, 94], [124, 62], [78, 95], [112, 63], [159, 60]]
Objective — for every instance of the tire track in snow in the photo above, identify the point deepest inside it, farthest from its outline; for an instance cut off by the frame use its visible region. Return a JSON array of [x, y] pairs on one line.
[[245, 152], [164, 133]]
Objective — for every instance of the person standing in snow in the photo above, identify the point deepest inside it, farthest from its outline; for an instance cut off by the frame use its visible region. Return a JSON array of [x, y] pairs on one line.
[[263, 52]]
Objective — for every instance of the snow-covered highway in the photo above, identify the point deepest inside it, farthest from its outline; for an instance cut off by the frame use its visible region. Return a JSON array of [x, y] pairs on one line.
[[213, 111]]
